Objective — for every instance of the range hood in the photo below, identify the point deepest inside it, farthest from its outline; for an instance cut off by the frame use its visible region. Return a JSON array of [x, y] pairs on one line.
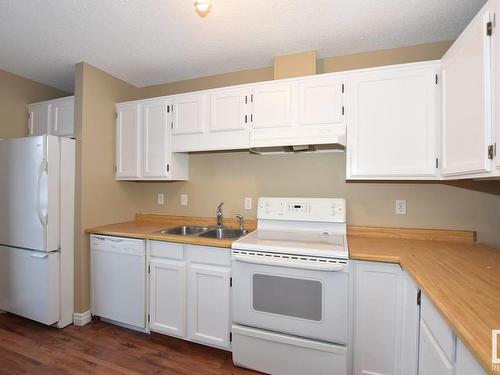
[[322, 138]]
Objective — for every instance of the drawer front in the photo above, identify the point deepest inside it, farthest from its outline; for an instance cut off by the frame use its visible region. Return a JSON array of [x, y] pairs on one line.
[[209, 255], [440, 330], [168, 250]]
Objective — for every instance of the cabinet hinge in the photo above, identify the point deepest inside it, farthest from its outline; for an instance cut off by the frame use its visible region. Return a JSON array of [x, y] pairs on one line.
[[168, 109], [116, 114], [171, 125], [251, 117], [251, 98], [246, 119], [116, 168], [246, 99], [342, 88], [491, 152], [168, 167], [149, 269], [230, 337], [149, 318], [230, 282], [419, 297], [437, 163], [343, 111], [436, 79], [489, 28]]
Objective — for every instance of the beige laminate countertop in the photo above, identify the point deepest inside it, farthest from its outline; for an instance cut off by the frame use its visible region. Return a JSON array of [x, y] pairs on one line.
[[461, 277]]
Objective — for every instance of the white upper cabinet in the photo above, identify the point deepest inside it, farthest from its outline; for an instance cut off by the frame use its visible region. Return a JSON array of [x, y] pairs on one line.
[[128, 141], [467, 110], [189, 113], [143, 142], [38, 118], [392, 126], [271, 105], [229, 110], [54, 117], [156, 139], [320, 101], [62, 121]]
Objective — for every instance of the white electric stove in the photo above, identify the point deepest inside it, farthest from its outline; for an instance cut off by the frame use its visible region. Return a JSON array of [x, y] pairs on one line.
[[291, 288]]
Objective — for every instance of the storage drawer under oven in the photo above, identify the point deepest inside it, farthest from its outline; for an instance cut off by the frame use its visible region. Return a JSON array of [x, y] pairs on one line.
[[306, 302]]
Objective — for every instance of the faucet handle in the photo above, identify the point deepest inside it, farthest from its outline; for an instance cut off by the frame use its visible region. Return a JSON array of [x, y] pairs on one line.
[[242, 227], [219, 207]]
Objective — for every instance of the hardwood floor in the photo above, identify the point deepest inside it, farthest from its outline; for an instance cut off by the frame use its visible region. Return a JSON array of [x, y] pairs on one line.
[[102, 348]]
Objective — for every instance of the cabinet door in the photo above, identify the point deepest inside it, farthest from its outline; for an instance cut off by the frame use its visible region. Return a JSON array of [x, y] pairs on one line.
[[393, 114], [156, 140], [228, 110], [466, 363], [377, 318], [63, 117], [432, 360], [167, 299], [410, 326], [128, 141], [189, 114], [271, 106], [320, 101], [209, 304], [466, 125], [38, 118]]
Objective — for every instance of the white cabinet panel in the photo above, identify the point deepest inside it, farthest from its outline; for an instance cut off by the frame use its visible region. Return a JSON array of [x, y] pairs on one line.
[[320, 101], [271, 106], [128, 141], [168, 296], [228, 110], [410, 327], [377, 318], [466, 125], [209, 304], [63, 117], [432, 360], [39, 118], [156, 139], [189, 113], [393, 124], [466, 363]]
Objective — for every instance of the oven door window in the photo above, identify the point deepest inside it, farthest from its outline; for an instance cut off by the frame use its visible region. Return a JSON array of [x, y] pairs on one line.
[[287, 296]]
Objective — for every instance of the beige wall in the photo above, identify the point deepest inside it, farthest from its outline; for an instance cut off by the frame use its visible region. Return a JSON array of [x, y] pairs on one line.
[[15, 94], [99, 198], [230, 177]]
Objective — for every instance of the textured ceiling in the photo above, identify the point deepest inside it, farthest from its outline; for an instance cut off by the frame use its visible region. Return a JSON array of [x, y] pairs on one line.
[[147, 42]]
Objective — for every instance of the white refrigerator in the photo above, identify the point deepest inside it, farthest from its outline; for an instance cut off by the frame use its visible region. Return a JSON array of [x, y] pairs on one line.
[[37, 185]]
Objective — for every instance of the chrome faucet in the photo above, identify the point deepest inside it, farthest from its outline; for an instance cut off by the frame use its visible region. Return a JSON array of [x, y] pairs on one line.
[[242, 225], [219, 216]]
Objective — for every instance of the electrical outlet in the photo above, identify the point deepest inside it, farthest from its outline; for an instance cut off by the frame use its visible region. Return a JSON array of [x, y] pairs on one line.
[[161, 199], [184, 199], [400, 206], [248, 203]]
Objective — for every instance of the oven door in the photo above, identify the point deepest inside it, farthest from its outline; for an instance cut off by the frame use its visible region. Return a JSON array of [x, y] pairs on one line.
[[299, 297]]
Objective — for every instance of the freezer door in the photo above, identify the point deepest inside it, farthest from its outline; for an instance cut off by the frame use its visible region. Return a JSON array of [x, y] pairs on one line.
[[29, 192], [29, 284]]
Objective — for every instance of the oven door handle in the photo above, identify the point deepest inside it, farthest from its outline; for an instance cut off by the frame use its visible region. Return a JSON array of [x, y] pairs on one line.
[[289, 263]]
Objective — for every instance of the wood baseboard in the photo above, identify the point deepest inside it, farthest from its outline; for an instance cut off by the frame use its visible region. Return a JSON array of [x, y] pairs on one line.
[[80, 319]]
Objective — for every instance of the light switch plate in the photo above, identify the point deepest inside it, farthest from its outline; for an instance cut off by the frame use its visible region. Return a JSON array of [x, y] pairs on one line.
[[248, 203], [161, 199], [400, 206], [184, 199]]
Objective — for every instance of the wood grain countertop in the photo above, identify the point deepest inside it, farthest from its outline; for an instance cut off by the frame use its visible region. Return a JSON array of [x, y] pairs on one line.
[[146, 225], [461, 277]]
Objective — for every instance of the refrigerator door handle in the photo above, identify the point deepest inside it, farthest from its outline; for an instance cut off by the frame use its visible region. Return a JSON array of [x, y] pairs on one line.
[[39, 255], [42, 169]]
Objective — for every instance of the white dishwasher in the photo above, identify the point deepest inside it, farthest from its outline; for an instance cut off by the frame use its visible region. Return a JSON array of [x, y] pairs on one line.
[[118, 280]]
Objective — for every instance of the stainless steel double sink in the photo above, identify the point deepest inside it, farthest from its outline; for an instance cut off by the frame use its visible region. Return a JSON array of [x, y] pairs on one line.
[[205, 232]]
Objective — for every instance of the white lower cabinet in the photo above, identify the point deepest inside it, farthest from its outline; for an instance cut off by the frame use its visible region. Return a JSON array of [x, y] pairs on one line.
[[189, 292], [209, 303], [167, 290], [378, 318], [432, 360]]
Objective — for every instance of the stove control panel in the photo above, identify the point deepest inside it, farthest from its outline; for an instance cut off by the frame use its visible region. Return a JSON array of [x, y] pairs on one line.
[[332, 210]]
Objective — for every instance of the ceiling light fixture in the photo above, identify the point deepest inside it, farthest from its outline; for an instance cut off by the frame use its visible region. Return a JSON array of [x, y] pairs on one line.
[[202, 6]]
